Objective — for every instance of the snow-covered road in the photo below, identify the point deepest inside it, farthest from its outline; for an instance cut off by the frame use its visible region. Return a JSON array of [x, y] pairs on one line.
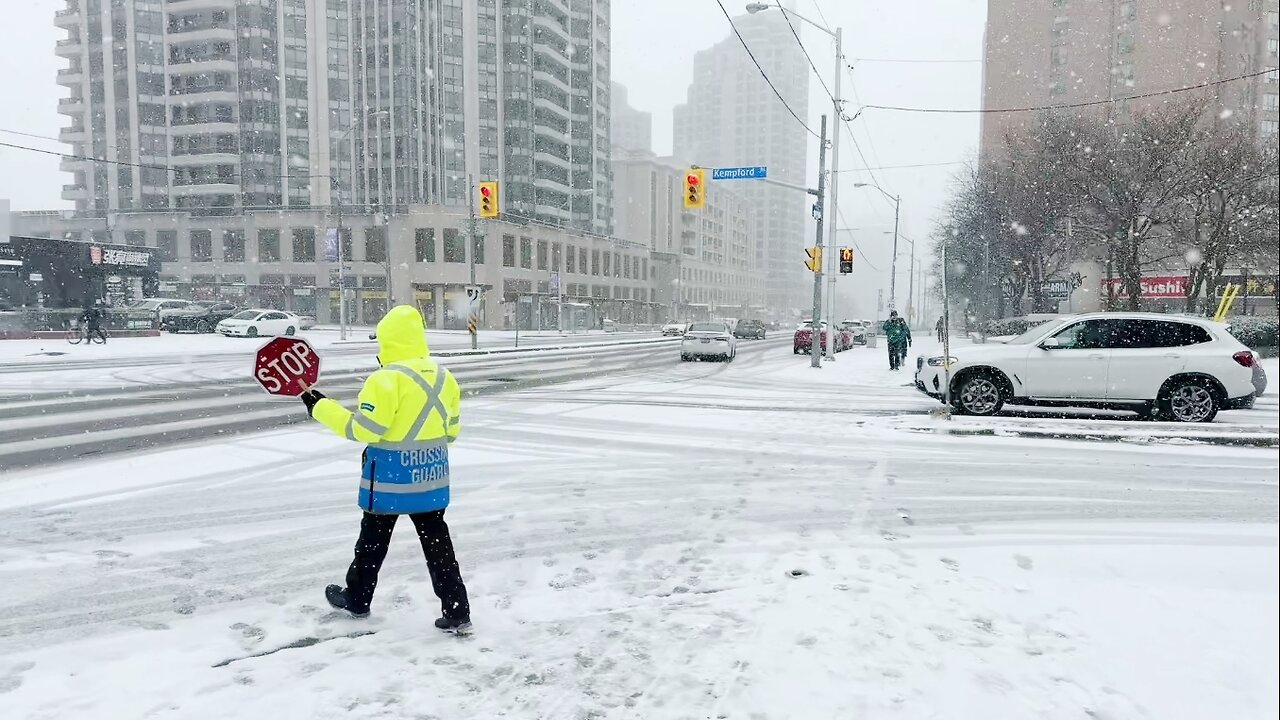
[[751, 540]]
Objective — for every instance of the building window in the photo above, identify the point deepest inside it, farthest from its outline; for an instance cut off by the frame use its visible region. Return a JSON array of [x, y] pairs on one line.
[[375, 244], [582, 261], [304, 245], [455, 250], [556, 254], [167, 245], [508, 251], [135, 237], [542, 254], [233, 245], [595, 262], [526, 253], [201, 246], [1272, 101], [1270, 128], [1124, 44], [569, 256], [268, 246], [607, 257], [424, 244]]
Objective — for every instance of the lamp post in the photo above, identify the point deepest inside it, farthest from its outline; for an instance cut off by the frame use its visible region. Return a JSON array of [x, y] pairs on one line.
[[893, 264], [335, 189], [836, 102]]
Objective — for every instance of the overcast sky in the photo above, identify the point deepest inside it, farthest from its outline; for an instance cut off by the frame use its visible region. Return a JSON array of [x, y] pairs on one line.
[[653, 46]]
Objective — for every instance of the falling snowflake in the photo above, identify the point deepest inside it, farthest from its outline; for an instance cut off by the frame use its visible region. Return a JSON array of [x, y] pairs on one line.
[[1194, 256], [1226, 113]]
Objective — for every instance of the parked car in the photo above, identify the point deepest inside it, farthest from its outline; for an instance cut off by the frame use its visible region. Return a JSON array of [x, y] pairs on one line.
[[260, 322], [202, 318], [749, 329], [857, 331], [708, 339], [159, 308], [802, 341], [1169, 367], [674, 328], [306, 322]]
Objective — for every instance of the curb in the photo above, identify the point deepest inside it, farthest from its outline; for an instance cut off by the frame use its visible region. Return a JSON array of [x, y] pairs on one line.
[[1257, 440]]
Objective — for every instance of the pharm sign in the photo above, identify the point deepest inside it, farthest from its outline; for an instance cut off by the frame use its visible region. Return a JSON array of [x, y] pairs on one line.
[[284, 364]]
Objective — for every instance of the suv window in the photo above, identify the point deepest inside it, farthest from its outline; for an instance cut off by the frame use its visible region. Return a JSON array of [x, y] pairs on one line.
[[1160, 334], [1087, 335], [273, 316]]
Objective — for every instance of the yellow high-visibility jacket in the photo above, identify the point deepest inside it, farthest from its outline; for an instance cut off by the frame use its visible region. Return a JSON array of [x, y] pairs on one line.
[[407, 416]]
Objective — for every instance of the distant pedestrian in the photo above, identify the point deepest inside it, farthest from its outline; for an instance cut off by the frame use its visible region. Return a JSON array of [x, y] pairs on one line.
[[408, 415], [898, 338], [942, 329]]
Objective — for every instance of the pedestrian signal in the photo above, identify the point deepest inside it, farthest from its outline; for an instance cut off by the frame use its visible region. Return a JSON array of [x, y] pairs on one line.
[[488, 200], [814, 263], [695, 188], [846, 260]]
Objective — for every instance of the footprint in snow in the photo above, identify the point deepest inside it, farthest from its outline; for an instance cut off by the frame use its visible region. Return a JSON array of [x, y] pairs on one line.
[[952, 565], [1023, 561]]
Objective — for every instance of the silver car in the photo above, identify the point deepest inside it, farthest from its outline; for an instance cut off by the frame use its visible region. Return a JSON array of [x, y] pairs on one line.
[[708, 340]]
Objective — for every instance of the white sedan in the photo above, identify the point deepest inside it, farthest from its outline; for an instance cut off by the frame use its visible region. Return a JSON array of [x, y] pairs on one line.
[[708, 339], [260, 322], [674, 328]]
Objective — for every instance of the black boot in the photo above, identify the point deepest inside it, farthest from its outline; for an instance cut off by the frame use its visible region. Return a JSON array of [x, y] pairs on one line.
[[457, 626], [337, 597]]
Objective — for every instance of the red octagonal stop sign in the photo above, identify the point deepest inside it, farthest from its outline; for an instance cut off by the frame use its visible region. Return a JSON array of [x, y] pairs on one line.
[[284, 364]]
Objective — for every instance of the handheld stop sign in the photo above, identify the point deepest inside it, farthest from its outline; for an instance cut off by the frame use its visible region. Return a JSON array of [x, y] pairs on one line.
[[286, 366]]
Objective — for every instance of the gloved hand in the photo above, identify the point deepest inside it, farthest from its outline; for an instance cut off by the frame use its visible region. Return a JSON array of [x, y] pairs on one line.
[[310, 397]]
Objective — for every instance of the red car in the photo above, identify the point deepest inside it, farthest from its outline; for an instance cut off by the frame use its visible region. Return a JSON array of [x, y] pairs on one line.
[[802, 341]]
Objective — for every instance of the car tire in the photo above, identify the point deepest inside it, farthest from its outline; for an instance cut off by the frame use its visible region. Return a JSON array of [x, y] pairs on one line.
[[251, 332], [684, 358], [203, 327], [291, 330], [979, 394], [1192, 399]]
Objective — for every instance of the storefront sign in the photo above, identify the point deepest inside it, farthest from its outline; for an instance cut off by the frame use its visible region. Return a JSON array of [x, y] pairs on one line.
[[1253, 286], [1156, 286], [114, 256]]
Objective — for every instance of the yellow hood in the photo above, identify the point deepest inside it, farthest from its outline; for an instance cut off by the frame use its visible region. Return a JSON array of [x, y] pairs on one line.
[[401, 335]]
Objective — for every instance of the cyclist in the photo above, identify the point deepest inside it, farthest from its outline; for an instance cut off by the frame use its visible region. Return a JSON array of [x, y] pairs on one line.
[[91, 322]]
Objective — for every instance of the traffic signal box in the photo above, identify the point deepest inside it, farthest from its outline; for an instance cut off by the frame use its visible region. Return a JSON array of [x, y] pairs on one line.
[[488, 200], [695, 188], [846, 260], [814, 263]]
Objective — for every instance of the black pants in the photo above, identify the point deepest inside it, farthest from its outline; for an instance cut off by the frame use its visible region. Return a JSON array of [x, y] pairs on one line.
[[437, 546], [897, 353]]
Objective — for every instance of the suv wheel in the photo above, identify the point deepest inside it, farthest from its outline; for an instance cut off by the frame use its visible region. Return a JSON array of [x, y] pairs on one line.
[[203, 327], [979, 394], [1189, 400]]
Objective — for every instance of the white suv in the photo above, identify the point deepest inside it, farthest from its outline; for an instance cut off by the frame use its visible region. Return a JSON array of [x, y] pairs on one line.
[[1172, 367]]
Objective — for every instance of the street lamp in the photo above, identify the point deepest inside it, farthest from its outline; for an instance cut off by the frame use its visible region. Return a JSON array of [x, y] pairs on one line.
[[755, 7], [335, 189], [893, 265]]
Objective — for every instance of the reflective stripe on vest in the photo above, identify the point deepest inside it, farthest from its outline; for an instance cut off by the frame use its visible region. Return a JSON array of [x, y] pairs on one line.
[[433, 404], [403, 488]]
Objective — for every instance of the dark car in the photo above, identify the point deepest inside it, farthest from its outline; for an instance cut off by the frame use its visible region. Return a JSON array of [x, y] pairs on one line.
[[749, 329], [200, 319]]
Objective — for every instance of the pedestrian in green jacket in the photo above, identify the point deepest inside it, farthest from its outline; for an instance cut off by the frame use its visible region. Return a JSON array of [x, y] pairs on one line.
[[898, 337]]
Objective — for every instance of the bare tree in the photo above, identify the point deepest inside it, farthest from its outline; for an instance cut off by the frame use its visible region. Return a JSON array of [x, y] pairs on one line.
[[1230, 216]]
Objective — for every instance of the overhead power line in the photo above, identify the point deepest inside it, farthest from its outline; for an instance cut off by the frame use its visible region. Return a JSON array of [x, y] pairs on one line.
[[1068, 106], [853, 239], [907, 60], [804, 50], [763, 74]]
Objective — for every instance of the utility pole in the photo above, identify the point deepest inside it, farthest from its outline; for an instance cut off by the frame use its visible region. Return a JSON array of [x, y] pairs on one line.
[[835, 192], [911, 286], [471, 250], [342, 264], [815, 354], [893, 264]]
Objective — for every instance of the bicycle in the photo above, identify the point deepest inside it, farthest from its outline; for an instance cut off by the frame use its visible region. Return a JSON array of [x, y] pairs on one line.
[[82, 333]]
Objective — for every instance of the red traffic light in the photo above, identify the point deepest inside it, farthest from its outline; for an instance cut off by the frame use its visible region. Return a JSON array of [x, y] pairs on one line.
[[485, 190], [692, 179]]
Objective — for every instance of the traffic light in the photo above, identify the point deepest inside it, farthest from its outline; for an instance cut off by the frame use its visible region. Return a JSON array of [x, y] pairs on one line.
[[695, 188], [488, 200], [814, 263], [846, 260]]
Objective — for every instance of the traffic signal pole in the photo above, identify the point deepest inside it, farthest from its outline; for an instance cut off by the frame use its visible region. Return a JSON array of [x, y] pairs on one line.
[[471, 245], [835, 193], [815, 345]]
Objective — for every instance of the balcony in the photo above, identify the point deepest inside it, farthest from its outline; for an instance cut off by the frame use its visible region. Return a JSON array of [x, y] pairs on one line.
[[209, 158], [72, 135], [211, 127], [75, 192], [67, 17], [67, 47], [71, 105], [213, 187], [202, 34], [69, 77], [206, 65]]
